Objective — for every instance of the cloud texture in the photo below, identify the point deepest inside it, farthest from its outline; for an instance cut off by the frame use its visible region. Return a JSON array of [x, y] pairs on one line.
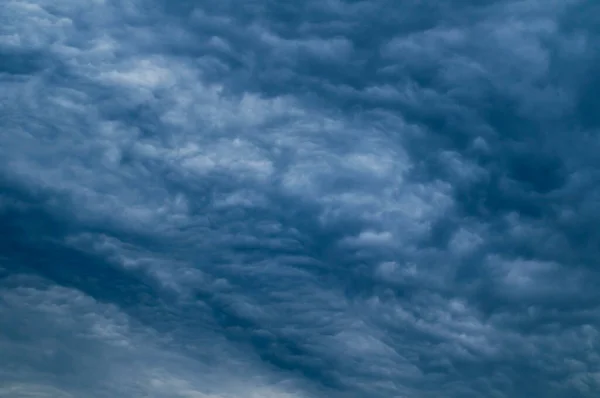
[[320, 198]]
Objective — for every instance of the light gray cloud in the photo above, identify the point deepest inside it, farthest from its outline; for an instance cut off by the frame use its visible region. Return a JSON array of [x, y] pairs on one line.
[[72, 344]]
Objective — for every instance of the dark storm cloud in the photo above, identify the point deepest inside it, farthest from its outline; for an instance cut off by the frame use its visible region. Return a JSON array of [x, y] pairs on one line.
[[316, 199]]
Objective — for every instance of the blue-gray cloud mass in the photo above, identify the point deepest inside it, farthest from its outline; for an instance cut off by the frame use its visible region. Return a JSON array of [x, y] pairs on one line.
[[309, 199]]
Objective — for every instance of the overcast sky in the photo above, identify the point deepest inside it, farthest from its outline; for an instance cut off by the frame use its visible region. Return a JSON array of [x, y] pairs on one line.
[[299, 199]]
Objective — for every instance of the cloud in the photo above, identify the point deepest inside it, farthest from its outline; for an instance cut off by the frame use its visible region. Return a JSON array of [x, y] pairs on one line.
[[318, 199], [78, 345]]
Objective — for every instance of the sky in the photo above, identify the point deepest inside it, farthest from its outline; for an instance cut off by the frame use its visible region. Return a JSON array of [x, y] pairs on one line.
[[299, 199]]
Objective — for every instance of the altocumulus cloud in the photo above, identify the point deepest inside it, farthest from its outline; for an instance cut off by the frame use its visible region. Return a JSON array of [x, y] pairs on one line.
[[223, 199]]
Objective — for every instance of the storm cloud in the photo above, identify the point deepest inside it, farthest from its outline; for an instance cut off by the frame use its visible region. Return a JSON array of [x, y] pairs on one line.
[[334, 198]]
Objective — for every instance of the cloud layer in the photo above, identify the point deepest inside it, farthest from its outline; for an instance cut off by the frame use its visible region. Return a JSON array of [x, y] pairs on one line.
[[216, 199]]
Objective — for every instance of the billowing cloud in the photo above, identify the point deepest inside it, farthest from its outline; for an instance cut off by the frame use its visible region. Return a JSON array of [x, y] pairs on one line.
[[217, 199]]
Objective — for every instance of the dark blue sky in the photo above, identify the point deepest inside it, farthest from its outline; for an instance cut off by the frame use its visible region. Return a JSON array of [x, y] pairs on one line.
[[299, 199]]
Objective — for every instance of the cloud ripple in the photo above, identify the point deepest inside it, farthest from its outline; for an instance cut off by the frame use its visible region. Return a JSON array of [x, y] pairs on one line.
[[315, 199]]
